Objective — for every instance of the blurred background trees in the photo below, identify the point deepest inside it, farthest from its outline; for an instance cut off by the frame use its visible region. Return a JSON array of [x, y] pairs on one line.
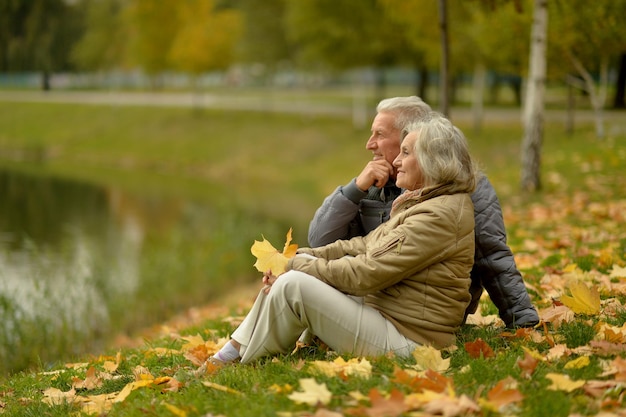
[[310, 42], [489, 40]]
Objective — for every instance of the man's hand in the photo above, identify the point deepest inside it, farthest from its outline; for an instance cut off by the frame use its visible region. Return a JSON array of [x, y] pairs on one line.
[[376, 172]]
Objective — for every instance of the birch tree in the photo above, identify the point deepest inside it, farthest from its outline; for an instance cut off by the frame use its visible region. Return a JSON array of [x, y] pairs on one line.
[[534, 106], [588, 36]]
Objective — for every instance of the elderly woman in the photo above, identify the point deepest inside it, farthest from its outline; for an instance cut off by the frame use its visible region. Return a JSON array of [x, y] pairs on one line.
[[404, 284]]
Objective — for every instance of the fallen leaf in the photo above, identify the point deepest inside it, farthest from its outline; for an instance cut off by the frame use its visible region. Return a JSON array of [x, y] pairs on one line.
[[561, 382], [312, 393], [339, 367], [584, 299], [427, 381], [452, 406], [220, 387], [91, 381], [427, 357], [54, 396], [578, 363], [527, 364], [386, 407], [175, 410], [618, 271], [281, 389], [478, 349], [269, 258], [503, 394]]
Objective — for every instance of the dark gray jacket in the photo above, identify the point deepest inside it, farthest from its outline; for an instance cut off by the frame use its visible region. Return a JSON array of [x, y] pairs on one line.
[[350, 212]]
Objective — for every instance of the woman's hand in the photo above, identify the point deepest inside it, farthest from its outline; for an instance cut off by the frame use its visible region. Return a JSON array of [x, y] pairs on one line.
[[268, 280]]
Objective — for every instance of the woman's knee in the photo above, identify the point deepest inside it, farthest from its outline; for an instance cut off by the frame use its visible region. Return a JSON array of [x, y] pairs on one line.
[[291, 281]]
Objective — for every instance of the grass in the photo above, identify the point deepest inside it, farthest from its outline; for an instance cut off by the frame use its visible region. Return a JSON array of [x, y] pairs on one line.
[[282, 166]]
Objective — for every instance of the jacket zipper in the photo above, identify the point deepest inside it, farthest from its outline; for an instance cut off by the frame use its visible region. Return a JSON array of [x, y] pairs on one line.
[[394, 244]]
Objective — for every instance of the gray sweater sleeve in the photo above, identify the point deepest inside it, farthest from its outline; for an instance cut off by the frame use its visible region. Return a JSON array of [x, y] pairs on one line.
[[494, 264], [336, 218]]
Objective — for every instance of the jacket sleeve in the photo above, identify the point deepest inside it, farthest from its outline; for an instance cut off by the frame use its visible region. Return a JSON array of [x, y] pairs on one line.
[[335, 218], [494, 264], [424, 239]]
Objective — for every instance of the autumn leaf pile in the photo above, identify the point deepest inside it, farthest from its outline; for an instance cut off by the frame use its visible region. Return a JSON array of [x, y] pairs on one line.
[[573, 363]]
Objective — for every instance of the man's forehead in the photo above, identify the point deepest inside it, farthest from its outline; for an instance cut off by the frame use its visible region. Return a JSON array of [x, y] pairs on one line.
[[384, 121]]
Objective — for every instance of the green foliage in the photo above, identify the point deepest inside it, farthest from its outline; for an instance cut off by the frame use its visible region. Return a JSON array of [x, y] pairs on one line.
[[577, 333]]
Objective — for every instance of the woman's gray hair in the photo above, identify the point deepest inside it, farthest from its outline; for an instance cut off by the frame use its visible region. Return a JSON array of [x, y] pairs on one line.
[[406, 110], [443, 154]]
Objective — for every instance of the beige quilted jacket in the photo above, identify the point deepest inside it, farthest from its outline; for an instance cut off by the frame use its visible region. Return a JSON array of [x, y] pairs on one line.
[[414, 269]]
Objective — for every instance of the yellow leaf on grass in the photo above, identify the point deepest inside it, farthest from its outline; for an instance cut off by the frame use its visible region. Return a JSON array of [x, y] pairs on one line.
[[353, 367], [533, 353], [312, 393], [175, 410], [584, 299], [220, 387], [578, 363], [269, 258], [427, 357], [130, 387], [562, 382], [618, 272]]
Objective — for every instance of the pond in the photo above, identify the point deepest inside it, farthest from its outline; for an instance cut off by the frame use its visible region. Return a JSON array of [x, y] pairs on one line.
[[80, 263]]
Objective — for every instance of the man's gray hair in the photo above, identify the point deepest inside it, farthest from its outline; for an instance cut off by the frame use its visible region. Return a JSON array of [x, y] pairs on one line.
[[406, 110]]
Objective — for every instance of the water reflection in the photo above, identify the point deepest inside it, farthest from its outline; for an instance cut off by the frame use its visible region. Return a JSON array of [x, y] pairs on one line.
[[81, 263], [64, 254]]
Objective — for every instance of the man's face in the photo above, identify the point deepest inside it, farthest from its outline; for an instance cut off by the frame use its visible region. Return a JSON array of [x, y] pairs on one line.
[[385, 139]]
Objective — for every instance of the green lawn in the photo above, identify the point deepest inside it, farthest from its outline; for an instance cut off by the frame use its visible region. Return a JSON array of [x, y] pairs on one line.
[[281, 166]]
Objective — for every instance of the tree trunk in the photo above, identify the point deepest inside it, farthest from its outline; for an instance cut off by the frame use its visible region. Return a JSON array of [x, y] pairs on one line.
[[597, 97], [478, 95], [533, 114], [444, 84], [45, 80], [571, 107], [421, 81], [620, 87]]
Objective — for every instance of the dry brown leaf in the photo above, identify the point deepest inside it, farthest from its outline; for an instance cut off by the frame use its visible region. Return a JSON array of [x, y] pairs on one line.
[[527, 365], [386, 407], [479, 349], [503, 394], [92, 380]]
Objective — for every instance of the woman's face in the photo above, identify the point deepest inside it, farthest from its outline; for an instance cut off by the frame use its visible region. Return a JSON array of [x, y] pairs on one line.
[[409, 173]]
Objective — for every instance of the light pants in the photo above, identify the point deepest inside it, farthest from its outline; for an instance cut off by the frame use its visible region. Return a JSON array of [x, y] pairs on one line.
[[299, 302]]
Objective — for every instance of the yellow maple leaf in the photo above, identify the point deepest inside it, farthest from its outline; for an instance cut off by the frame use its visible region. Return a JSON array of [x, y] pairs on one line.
[[427, 357], [269, 258], [312, 393], [562, 382], [584, 299]]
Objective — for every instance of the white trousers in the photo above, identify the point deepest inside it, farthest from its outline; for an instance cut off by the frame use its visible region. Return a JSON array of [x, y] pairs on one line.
[[299, 302]]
